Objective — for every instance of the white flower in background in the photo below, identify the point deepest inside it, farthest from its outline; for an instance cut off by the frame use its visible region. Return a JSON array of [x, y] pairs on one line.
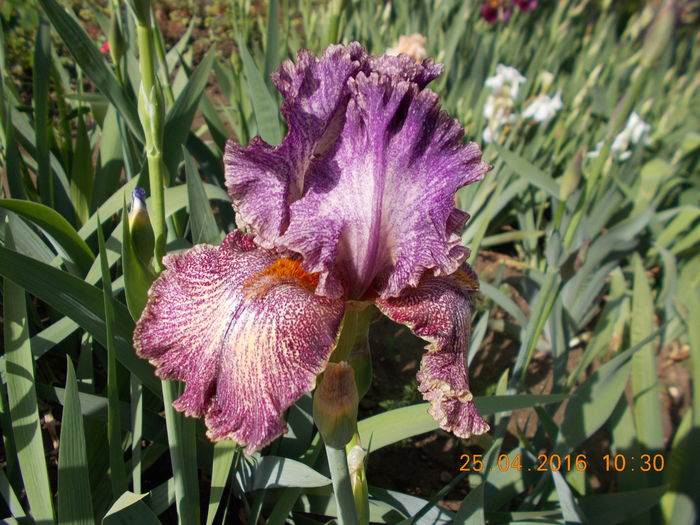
[[499, 112], [634, 132], [506, 81], [543, 107], [413, 46], [498, 108], [488, 135]]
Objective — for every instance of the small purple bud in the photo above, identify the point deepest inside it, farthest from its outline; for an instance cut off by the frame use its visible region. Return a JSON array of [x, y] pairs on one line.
[[142, 237]]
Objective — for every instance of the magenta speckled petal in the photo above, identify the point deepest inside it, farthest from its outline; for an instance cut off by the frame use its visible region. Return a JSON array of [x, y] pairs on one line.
[[439, 311], [247, 338], [378, 208]]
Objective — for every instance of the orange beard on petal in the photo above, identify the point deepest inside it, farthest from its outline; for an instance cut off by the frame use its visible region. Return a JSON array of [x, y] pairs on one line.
[[283, 270]]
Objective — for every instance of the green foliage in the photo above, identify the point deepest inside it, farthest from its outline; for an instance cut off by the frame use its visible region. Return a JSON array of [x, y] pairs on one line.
[[599, 254]]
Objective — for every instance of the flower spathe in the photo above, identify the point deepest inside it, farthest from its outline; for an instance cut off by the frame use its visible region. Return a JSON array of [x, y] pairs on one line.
[[355, 204]]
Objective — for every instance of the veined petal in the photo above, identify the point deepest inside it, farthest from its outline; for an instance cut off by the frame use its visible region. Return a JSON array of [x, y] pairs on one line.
[[263, 179], [378, 209], [439, 311], [243, 329]]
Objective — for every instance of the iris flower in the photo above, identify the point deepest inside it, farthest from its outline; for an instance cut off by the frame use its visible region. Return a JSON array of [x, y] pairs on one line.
[[355, 206]]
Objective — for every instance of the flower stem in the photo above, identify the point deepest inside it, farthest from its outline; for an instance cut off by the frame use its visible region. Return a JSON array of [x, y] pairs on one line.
[[152, 115], [344, 500], [151, 110]]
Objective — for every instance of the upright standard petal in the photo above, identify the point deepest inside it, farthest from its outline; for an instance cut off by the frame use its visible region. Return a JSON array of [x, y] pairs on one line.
[[378, 209], [263, 179], [243, 329], [439, 311]]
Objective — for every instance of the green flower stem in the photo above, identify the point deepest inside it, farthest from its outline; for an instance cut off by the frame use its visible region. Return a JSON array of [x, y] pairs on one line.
[[344, 499], [353, 332], [152, 112]]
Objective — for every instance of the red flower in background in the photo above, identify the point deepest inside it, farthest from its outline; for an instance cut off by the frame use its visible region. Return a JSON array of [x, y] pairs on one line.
[[105, 48], [499, 10], [526, 5]]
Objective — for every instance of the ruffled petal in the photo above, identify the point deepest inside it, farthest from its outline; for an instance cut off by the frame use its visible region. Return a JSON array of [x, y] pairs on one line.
[[404, 68], [378, 209], [243, 329], [263, 179], [439, 311]]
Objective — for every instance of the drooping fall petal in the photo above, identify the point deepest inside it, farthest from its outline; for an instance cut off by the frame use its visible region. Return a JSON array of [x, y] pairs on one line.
[[243, 329], [439, 311]]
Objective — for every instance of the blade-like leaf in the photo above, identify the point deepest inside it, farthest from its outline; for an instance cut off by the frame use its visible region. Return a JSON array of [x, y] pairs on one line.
[[645, 383], [592, 403], [275, 471], [81, 302], [179, 118], [202, 222], [116, 456], [569, 506], [74, 499], [223, 458], [529, 171], [620, 506], [23, 402], [264, 105], [42, 59], [82, 173], [401, 423], [89, 59], [55, 226], [130, 509]]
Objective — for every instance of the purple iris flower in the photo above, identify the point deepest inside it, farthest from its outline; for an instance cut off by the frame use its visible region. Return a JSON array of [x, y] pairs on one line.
[[355, 206], [493, 10]]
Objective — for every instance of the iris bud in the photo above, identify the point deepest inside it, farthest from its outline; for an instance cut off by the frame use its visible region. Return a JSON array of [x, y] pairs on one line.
[[150, 107], [358, 481], [142, 237], [335, 405]]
